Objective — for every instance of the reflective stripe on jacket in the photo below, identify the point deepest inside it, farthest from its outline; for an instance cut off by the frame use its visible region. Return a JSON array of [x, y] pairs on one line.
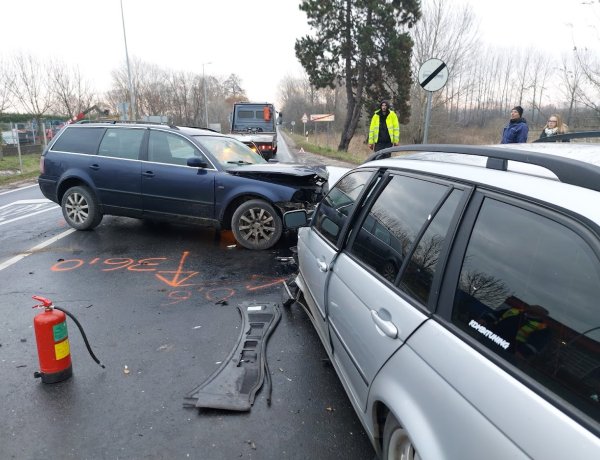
[[392, 124]]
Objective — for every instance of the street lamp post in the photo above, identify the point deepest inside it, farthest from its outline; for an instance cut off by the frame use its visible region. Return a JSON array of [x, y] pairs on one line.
[[205, 97], [131, 94]]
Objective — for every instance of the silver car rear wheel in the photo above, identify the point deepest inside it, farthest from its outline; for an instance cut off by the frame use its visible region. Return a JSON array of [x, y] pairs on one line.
[[397, 445]]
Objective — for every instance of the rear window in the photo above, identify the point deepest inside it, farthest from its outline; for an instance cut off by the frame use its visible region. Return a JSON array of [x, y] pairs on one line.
[[79, 140], [528, 290]]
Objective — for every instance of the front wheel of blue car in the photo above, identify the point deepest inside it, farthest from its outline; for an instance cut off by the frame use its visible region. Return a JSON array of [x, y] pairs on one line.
[[256, 225]]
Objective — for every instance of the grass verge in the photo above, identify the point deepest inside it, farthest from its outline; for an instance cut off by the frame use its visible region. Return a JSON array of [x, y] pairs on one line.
[[323, 150], [11, 172]]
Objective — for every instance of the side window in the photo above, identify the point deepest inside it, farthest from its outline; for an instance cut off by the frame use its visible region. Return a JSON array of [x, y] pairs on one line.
[[334, 209], [121, 143], [418, 276], [79, 140], [398, 214], [169, 148], [528, 290]]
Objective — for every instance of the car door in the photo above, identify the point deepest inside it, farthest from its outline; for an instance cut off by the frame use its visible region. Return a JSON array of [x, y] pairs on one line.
[[521, 294], [318, 244], [369, 316], [115, 170], [170, 187]]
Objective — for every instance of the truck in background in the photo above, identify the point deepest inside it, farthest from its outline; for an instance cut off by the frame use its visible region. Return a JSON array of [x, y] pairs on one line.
[[254, 123]]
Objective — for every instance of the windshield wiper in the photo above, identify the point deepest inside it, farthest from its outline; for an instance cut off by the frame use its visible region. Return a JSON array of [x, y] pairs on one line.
[[240, 162]]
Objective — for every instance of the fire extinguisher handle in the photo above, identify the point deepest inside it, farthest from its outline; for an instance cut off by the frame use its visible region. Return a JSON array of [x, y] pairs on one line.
[[46, 303]]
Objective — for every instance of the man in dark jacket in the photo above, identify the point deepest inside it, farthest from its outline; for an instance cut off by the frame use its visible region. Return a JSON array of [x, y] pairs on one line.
[[517, 129]]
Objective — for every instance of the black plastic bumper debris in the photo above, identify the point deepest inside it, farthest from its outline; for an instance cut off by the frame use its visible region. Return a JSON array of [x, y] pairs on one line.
[[234, 385]]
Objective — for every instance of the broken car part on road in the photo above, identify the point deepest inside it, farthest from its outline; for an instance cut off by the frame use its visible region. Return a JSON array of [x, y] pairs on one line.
[[234, 385]]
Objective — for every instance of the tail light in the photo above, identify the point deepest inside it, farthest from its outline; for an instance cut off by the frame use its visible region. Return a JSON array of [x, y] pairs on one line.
[[42, 168]]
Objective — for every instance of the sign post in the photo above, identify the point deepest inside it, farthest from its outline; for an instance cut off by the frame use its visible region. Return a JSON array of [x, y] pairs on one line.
[[304, 120], [433, 75]]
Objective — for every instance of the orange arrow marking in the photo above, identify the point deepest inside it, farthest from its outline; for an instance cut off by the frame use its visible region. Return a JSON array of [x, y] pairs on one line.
[[177, 279]]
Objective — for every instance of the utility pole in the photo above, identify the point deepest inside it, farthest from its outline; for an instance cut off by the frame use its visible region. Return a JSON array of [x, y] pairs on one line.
[[205, 97], [131, 93]]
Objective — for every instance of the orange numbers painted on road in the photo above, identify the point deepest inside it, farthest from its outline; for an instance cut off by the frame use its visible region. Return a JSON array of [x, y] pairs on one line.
[[215, 291], [220, 293], [111, 264], [117, 263], [145, 263], [178, 296], [67, 265]]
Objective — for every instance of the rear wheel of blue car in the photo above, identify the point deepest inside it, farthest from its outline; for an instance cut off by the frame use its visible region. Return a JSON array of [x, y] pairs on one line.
[[256, 225], [80, 208], [396, 442]]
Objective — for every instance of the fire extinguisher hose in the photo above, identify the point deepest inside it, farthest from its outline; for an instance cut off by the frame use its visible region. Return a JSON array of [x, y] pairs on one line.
[[87, 344]]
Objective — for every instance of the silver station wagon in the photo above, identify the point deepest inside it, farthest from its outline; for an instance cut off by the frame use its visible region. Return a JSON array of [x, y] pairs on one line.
[[456, 291]]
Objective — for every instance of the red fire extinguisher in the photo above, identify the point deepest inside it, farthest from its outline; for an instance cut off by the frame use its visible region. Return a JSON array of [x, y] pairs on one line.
[[52, 341]]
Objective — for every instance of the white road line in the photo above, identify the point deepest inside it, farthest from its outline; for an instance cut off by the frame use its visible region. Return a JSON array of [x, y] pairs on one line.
[[29, 207], [28, 215], [35, 201], [18, 189], [21, 256]]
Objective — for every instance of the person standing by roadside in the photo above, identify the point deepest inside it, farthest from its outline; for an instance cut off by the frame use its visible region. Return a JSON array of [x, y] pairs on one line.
[[516, 130], [554, 126], [384, 131]]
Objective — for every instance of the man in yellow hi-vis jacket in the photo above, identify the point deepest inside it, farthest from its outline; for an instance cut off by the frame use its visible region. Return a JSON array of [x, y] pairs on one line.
[[384, 131]]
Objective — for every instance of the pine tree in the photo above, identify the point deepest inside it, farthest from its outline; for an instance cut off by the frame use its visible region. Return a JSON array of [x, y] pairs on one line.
[[364, 46]]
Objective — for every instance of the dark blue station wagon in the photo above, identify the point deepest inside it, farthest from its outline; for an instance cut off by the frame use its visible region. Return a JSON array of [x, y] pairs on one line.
[[173, 173]]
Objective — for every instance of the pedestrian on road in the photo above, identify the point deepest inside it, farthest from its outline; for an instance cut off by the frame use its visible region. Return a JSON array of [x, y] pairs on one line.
[[554, 126], [384, 131], [516, 130]]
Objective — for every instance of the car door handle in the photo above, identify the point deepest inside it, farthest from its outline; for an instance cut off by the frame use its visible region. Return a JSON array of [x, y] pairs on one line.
[[387, 327], [95, 167], [148, 174], [322, 265]]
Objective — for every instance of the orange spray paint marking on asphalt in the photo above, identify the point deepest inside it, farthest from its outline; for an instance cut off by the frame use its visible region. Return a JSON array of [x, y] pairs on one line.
[[145, 263], [66, 265], [270, 283], [175, 280]]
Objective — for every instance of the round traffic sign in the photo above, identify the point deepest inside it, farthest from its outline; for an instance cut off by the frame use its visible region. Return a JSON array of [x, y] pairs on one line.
[[433, 75]]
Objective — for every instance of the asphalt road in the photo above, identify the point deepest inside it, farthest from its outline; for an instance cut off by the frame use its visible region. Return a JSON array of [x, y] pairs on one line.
[[158, 304]]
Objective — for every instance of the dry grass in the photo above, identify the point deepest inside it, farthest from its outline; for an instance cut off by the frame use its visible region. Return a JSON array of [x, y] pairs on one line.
[[11, 172], [326, 143]]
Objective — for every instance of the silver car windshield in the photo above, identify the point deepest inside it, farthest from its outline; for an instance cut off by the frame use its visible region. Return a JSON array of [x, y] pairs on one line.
[[230, 153]]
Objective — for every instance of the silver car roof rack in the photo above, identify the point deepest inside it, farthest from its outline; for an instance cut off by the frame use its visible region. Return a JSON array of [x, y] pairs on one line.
[[567, 170]]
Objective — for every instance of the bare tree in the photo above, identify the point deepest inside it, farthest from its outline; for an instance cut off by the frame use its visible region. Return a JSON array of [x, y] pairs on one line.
[[571, 79], [233, 89], [6, 82], [31, 88], [541, 67], [590, 89], [485, 288], [71, 93], [590, 66], [449, 34]]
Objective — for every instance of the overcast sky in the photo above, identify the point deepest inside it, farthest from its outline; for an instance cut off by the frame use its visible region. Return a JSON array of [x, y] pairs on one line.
[[251, 38]]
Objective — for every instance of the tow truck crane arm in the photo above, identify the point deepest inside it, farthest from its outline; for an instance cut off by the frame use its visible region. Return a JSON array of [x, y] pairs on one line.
[[81, 115]]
